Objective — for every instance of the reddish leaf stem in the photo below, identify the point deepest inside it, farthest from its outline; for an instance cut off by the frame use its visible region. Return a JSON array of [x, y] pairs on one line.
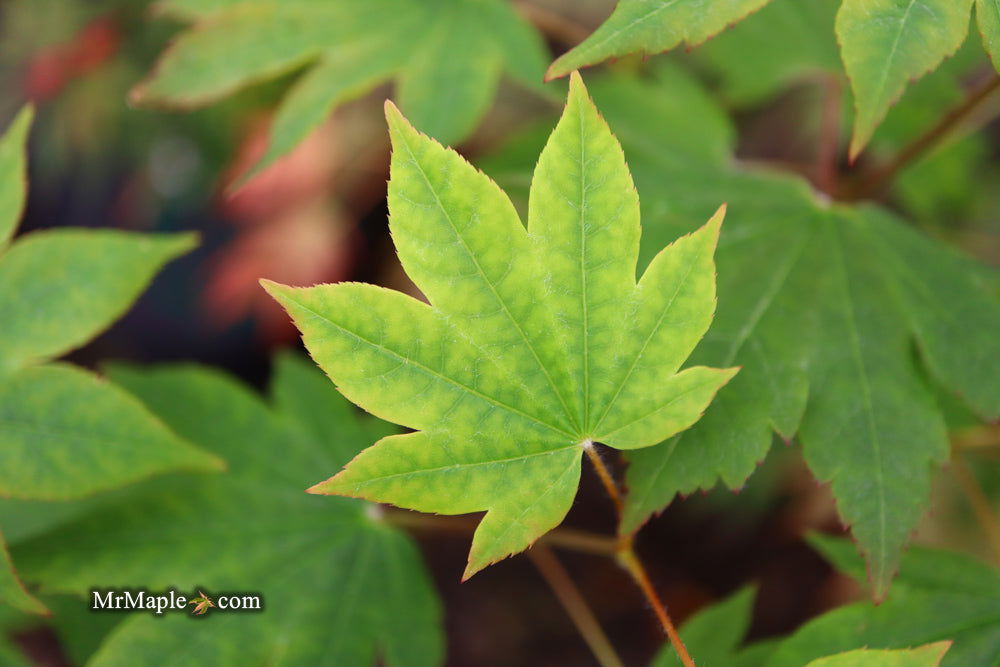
[[634, 566], [606, 479], [576, 607], [631, 562], [879, 178], [976, 437]]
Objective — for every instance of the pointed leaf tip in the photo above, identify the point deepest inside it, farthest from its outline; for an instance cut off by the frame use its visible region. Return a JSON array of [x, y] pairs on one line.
[[276, 290], [316, 489], [391, 110], [322, 488], [578, 90], [715, 222]]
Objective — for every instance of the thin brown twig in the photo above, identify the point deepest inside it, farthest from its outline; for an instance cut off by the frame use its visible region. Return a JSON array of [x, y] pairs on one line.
[[558, 27], [873, 183], [976, 437], [829, 136], [978, 500], [576, 607], [564, 538], [633, 565]]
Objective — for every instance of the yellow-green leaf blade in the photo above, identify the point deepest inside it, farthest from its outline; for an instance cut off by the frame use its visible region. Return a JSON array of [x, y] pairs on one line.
[[671, 406], [652, 26], [672, 309], [525, 482], [497, 371], [925, 656], [583, 212], [887, 43], [446, 219], [384, 349]]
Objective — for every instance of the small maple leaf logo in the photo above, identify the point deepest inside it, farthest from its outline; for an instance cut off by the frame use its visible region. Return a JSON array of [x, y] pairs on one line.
[[202, 603]]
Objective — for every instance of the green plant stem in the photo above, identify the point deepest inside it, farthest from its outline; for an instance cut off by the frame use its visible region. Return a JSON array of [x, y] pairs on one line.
[[563, 538], [628, 559], [576, 607], [877, 180], [978, 500]]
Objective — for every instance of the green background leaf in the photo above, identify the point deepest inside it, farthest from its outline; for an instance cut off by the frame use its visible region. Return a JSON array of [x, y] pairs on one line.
[[939, 596], [68, 434], [13, 168], [887, 43], [12, 591], [60, 288], [446, 56], [714, 635], [65, 433], [988, 17], [652, 26], [339, 585]]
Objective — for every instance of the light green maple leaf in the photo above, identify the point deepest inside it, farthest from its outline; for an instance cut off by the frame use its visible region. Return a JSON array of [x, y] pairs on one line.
[[925, 656], [653, 26], [65, 433], [939, 596], [446, 56], [820, 304], [339, 585], [537, 342]]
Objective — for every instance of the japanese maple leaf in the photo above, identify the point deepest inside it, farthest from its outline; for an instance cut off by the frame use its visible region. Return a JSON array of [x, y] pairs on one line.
[[202, 603], [537, 342]]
